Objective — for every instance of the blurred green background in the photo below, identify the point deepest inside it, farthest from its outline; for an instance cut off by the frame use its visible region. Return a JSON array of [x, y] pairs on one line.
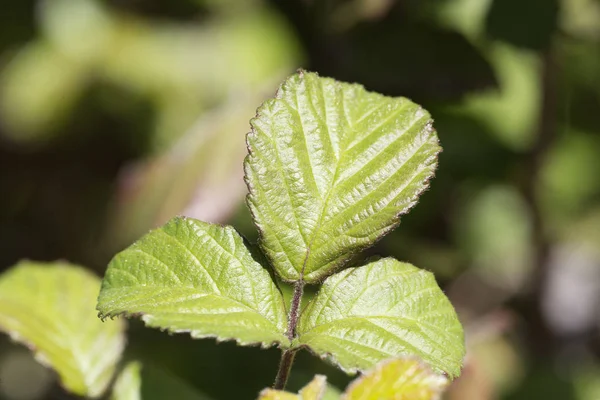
[[116, 115]]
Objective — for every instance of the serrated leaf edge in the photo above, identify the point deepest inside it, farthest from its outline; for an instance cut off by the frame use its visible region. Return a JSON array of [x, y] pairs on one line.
[[281, 344], [332, 359], [395, 222], [39, 355], [219, 339]]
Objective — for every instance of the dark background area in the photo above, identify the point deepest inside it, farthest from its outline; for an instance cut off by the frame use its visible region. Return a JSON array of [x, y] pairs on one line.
[[117, 115]]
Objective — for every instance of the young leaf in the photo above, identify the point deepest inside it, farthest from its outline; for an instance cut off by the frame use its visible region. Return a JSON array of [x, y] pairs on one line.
[[401, 379], [272, 394], [385, 309], [315, 390], [50, 308], [128, 384], [330, 169], [192, 276]]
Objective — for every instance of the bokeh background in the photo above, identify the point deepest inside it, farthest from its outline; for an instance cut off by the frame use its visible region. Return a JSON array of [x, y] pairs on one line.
[[116, 115]]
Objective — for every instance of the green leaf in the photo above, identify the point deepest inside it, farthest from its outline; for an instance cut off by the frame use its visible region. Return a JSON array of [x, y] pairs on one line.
[[330, 168], [128, 384], [192, 276], [50, 308], [385, 309], [400, 379], [315, 390], [272, 394]]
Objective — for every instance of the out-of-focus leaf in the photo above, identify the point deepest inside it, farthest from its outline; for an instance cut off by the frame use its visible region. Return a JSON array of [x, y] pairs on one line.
[[182, 69], [128, 383], [530, 24], [191, 276], [200, 176], [38, 90], [50, 308], [465, 16], [400, 379], [384, 309], [81, 30], [315, 389], [187, 68], [331, 393], [518, 95], [330, 169], [569, 176], [312, 391], [581, 18], [272, 394], [587, 382], [495, 232]]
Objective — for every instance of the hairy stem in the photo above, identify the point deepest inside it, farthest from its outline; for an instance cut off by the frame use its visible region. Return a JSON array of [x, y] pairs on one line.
[[287, 356], [295, 309], [285, 366]]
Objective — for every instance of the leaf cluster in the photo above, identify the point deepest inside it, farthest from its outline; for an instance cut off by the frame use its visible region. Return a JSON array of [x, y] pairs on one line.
[[331, 167]]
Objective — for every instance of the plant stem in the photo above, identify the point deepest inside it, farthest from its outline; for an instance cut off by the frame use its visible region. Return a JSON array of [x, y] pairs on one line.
[[287, 356], [295, 309], [285, 366]]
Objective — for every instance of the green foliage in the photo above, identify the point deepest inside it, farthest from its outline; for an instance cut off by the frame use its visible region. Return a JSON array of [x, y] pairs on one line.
[[315, 390], [197, 174], [400, 379], [396, 378], [50, 308], [115, 115], [330, 168], [128, 384], [381, 310], [88, 42], [195, 277]]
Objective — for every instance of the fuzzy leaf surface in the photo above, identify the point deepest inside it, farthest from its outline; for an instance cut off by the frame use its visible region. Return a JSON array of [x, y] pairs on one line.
[[50, 308], [196, 277], [129, 383], [330, 169], [385, 309], [398, 379]]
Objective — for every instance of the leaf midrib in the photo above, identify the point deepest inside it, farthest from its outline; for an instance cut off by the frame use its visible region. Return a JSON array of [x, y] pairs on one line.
[[342, 152]]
